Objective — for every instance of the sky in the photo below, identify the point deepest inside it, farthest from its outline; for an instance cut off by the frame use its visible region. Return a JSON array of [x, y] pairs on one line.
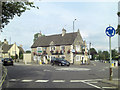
[[92, 19]]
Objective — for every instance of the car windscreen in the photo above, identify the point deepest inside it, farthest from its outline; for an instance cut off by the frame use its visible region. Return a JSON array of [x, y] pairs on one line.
[[8, 59]]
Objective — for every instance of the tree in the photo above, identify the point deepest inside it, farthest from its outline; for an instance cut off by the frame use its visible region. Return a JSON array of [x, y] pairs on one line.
[[20, 55], [11, 9], [114, 54], [93, 53], [105, 55], [28, 51], [100, 55], [118, 30], [37, 35]]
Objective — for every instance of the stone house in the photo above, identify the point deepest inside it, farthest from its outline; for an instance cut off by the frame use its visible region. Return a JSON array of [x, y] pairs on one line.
[[69, 46], [6, 50]]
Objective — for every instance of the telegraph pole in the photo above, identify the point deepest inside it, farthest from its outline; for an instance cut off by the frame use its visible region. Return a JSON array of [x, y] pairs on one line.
[[89, 49], [15, 51]]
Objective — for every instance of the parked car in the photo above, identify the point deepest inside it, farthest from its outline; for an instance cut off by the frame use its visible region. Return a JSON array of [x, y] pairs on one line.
[[118, 62], [59, 62], [2, 60], [8, 61]]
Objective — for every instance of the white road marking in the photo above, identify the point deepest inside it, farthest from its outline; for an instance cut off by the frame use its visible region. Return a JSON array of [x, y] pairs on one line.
[[73, 69], [75, 80], [109, 87], [116, 79], [13, 80], [91, 85], [58, 80], [93, 82], [27, 80], [41, 80], [46, 70]]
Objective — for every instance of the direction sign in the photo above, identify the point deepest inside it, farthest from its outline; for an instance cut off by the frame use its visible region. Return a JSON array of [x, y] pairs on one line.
[[110, 31]]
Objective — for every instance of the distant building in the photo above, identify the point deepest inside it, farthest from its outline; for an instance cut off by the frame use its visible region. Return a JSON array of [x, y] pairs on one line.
[[69, 46], [6, 50]]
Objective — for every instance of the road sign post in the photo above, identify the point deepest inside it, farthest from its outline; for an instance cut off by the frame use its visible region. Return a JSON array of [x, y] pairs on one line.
[[110, 31]]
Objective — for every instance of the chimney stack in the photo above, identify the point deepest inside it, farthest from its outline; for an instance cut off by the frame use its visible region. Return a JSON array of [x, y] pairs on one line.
[[63, 32], [5, 41]]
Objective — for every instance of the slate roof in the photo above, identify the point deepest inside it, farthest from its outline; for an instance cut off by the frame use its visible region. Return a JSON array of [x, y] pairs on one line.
[[58, 39], [21, 49], [6, 47]]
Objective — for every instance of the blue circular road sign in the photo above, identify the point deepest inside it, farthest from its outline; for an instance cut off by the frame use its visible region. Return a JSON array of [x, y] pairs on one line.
[[110, 31]]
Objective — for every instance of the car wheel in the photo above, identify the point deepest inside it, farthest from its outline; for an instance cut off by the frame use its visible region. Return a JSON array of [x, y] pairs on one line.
[[52, 64]]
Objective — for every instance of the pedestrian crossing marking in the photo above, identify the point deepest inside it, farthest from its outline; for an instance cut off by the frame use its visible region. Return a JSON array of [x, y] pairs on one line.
[[41, 80], [58, 80], [27, 80], [13, 80], [75, 80]]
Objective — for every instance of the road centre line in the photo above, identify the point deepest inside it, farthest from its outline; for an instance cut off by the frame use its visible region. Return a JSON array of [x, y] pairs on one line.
[[58, 81], [41, 80]]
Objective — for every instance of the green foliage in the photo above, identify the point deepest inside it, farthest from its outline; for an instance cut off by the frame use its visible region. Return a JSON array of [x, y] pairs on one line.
[[35, 36], [28, 51], [106, 55], [12, 9], [114, 54], [118, 30], [20, 55], [93, 52], [13, 57], [16, 57], [118, 13]]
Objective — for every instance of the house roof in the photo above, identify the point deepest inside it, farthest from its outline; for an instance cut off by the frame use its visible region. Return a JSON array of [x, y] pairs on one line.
[[21, 49], [6, 47], [57, 39]]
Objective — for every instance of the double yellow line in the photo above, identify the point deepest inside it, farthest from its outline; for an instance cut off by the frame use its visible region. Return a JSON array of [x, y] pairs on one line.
[[3, 76]]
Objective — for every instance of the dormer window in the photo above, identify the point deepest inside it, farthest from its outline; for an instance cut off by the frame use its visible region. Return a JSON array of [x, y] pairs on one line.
[[63, 48], [52, 48], [77, 47]]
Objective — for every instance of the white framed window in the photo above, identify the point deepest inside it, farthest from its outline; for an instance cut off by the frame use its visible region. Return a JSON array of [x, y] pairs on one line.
[[44, 48], [39, 49], [62, 47], [77, 47], [52, 48], [77, 57]]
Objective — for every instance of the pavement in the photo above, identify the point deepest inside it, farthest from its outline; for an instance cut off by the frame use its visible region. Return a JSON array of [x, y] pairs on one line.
[[114, 82]]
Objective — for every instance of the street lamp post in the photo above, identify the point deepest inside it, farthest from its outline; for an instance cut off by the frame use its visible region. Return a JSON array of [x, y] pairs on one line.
[[73, 24], [73, 44]]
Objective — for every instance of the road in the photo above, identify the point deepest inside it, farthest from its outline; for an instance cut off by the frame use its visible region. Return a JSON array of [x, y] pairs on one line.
[[47, 76]]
